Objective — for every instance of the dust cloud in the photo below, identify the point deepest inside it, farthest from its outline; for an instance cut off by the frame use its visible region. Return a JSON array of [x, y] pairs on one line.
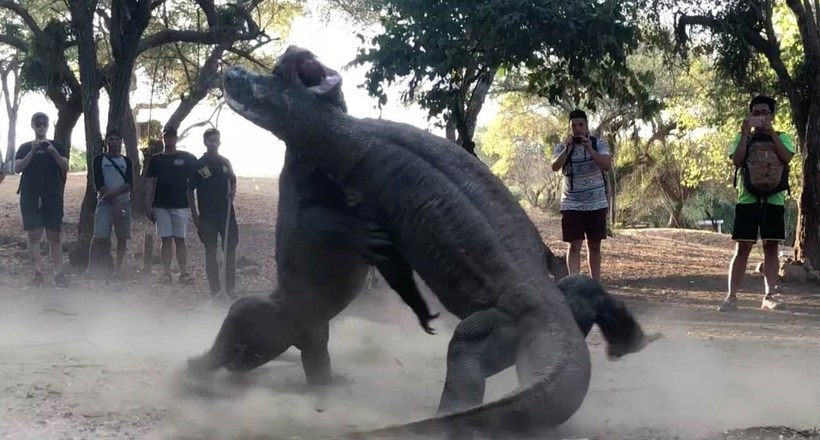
[[112, 366]]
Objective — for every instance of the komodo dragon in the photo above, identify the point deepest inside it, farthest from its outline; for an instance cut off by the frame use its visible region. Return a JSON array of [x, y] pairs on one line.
[[314, 226], [322, 264], [462, 231]]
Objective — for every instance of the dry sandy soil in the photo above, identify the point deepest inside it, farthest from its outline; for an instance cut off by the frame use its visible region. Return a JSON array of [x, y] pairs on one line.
[[103, 359]]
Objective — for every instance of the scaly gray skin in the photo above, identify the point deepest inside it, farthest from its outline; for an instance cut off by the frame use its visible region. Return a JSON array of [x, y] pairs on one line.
[[321, 269], [244, 339], [462, 231]]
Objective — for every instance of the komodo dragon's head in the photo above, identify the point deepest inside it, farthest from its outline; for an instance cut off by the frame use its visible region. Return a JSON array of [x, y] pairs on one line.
[[297, 82]]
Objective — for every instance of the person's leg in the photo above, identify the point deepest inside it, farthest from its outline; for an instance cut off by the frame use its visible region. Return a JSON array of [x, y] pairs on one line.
[[572, 232], [772, 232], [101, 242], [744, 233], [230, 257], [595, 229], [165, 231], [33, 225], [180, 225], [53, 222], [122, 229], [209, 235]]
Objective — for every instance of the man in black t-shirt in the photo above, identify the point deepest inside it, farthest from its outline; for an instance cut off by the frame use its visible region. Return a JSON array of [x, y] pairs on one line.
[[43, 164], [214, 181], [166, 184]]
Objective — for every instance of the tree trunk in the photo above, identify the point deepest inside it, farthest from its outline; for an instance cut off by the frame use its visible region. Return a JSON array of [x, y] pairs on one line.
[[67, 116], [131, 140], [807, 243], [12, 99], [676, 216], [82, 24]]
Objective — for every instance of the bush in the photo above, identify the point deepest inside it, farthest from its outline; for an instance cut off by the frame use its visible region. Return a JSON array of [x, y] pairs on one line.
[[77, 160]]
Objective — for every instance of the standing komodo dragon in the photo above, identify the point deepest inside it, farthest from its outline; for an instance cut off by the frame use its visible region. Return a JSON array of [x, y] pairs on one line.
[[461, 230], [321, 266], [315, 231]]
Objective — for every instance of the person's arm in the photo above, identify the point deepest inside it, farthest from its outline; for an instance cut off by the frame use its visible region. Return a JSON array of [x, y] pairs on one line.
[[23, 157], [560, 153], [193, 183], [602, 157], [150, 186], [58, 153], [739, 147], [784, 152], [96, 171], [232, 177]]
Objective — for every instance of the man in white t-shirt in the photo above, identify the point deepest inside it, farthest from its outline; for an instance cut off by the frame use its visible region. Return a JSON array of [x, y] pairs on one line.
[[113, 181], [583, 159]]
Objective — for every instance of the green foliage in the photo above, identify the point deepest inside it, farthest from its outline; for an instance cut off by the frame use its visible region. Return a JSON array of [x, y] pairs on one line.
[[443, 48], [518, 144], [77, 160]]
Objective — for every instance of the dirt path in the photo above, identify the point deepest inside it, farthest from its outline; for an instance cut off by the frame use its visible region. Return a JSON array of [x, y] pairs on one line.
[[107, 366]]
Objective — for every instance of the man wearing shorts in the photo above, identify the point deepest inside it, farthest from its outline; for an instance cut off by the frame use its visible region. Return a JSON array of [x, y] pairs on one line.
[[166, 190], [43, 164], [753, 219], [113, 179], [583, 159]]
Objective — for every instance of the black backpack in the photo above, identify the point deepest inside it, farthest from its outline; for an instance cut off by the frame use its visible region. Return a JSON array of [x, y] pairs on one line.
[[567, 169]]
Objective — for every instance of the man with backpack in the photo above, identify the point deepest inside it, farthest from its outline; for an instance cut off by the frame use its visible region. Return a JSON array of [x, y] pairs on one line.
[[113, 180], [584, 160], [761, 156]]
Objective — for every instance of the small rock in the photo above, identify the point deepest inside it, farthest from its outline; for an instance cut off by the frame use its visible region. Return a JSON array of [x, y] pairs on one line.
[[793, 273]]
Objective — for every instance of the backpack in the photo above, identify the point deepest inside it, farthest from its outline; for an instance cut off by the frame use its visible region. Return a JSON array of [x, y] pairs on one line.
[[567, 169], [763, 172]]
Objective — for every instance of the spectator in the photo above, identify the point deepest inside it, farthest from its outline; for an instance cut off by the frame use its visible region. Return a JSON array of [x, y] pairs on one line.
[[44, 167], [113, 180], [214, 181], [759, 216], [583, 160], [167, 202]]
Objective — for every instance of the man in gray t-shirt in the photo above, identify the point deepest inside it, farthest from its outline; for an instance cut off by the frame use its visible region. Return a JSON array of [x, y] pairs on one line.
[[113, 180], [583, 159]]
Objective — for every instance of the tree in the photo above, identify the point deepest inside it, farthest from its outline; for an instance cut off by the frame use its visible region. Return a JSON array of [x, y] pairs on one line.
[[12, 95], [450, 53], [744, 35], [518, 143]]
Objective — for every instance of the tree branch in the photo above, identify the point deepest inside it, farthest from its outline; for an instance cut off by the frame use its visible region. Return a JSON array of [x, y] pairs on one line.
[[196, 37], [769, 49], [17, 8], [14, 42], [808, 32]]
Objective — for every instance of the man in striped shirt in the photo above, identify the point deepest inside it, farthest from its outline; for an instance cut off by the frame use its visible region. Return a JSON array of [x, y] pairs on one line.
[[583, 159]]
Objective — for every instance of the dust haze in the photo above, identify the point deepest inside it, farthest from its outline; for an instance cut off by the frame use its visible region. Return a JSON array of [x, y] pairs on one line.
[[83, 365]]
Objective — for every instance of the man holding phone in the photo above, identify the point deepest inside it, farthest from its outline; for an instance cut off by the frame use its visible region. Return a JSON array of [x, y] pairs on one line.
[[756, 215], [583, 160], [43, 164]]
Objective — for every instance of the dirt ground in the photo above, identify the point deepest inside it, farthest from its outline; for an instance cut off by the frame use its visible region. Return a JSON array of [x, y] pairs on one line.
[[103, 359]]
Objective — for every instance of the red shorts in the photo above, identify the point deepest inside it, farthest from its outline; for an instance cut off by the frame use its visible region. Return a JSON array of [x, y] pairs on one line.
[[577, 224]]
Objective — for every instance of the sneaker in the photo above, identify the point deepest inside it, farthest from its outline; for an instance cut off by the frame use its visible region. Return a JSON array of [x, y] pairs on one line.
[[165, 278], [728, 305], [772, 301], [60, 280], [37, 280]]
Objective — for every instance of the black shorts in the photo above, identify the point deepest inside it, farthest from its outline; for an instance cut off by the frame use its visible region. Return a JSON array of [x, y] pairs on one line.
[[577, 224], [41, 212], [753, 221]]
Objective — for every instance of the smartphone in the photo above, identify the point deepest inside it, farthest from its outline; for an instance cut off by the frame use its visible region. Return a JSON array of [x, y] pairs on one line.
[[577, 139], [756, 121]]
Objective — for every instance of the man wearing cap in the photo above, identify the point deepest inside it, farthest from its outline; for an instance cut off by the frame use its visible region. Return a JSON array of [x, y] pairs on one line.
[[583, 160], [214, 182], [167, 199], [43, 164]]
